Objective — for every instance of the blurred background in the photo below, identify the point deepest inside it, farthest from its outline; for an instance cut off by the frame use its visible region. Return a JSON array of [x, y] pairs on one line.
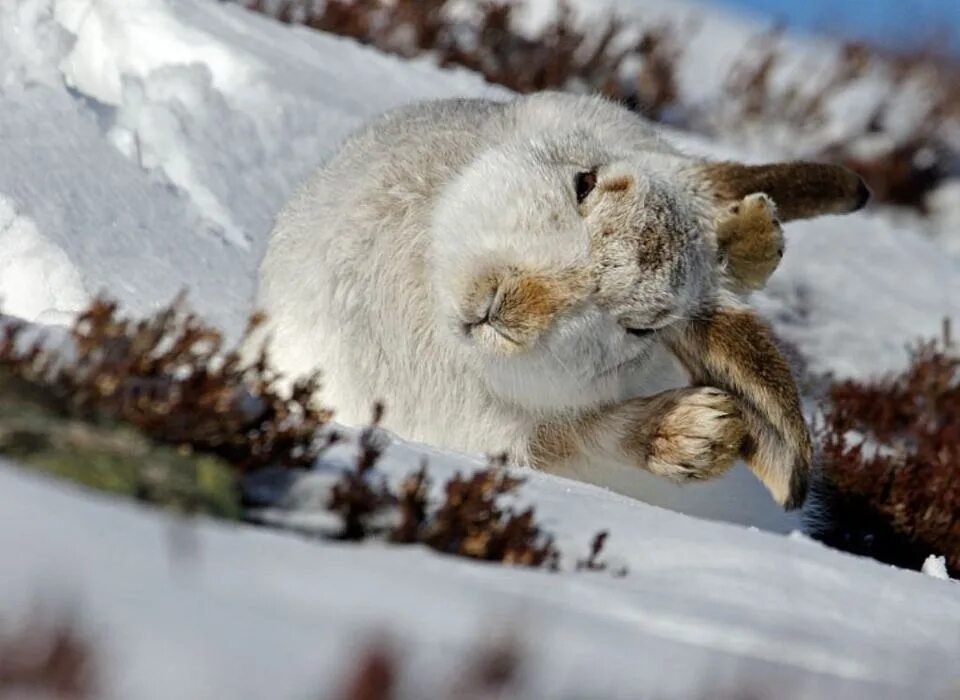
[[895, 25]]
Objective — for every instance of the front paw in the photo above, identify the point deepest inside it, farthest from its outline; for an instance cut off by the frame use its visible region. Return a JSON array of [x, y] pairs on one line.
[[698, 435], [750, 241]]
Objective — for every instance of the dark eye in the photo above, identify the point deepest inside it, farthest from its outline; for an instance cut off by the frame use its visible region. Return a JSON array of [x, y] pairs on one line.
[[584, 183]]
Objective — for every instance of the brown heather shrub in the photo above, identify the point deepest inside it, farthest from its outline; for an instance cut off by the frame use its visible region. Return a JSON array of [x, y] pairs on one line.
[[357, 498], [893, 491], [593, 562], [903, 174], [755, 98], [497, 669], [909, 166], [489, 671], [47, 660], [469, 521], [562, 56], [373, 677], [170, 377], [643, 75]]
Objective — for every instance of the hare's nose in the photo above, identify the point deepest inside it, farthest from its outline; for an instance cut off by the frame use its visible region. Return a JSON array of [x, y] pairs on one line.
[[482, 312]]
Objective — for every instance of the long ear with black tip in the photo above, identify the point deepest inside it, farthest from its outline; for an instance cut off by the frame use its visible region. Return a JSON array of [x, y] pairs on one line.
[[800, 189]]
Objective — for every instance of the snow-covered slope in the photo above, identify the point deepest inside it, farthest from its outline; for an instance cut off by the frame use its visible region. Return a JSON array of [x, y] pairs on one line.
[[706, 610], [147, 145], [144, 147]]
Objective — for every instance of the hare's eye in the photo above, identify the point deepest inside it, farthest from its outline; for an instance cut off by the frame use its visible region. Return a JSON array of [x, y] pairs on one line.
[[583, 184]]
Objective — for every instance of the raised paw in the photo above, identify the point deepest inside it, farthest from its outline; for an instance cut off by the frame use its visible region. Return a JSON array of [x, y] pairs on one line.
[[698, 435], [750, 241]]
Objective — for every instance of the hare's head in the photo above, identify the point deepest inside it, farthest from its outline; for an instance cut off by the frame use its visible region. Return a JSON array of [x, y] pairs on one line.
[[554, 262]]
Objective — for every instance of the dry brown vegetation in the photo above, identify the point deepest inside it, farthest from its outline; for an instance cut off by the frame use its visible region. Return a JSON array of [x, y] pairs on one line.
[[170, 377], [562, 56], [904, 164], [593, 562], [154, 409], [488, 671], [498, 669], [470, 521], [639, 66], [47, 660], [891, 462]]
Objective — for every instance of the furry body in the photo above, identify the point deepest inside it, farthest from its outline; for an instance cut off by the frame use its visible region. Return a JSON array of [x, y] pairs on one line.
[[444, 262]]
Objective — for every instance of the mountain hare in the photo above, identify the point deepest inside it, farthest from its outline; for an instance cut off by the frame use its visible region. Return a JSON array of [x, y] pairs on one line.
[[509, 276]]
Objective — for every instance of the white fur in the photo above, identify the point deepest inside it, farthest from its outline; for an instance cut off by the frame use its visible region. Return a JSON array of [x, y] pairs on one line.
[[370, 263]]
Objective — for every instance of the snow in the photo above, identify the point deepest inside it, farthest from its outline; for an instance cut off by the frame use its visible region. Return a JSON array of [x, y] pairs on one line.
[[145, 146], [35, 275], [936, 567], [702, 603], [851, 304], [171, 133], [136, 38]]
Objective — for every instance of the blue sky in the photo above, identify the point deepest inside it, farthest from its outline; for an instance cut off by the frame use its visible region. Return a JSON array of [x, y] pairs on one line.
[[891, 22]]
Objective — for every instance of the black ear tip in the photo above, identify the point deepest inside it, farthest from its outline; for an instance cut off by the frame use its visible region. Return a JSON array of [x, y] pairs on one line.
[[863, 195]]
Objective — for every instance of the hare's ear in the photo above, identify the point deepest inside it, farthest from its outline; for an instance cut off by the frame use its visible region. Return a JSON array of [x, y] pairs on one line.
[[801, 190]]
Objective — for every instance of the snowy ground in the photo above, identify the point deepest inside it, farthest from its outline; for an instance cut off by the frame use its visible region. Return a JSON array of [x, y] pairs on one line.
[[144, 147], [706, 610]]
